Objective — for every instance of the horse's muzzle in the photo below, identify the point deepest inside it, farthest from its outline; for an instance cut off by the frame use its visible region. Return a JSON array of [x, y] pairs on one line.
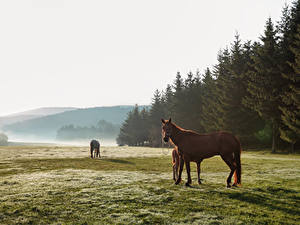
[[166, 139]]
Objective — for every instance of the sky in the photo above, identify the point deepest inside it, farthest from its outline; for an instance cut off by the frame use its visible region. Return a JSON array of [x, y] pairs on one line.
[[87, 53]]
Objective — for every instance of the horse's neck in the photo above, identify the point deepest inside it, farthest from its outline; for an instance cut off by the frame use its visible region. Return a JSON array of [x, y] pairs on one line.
[[176, 135]]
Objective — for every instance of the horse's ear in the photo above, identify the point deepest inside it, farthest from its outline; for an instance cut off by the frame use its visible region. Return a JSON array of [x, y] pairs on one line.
[[163, 121], [170, 120]]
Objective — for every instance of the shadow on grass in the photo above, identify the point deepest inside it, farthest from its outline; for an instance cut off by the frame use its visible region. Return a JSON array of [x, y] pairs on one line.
[[279, 192], [273, 198], [275, 202], [122, 161]]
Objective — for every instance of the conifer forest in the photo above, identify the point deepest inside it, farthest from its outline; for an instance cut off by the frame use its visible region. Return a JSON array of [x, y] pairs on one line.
[[252, 91]]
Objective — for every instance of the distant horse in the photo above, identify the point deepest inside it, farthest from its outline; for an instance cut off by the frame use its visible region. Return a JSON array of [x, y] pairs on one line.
[[194, 147], [175, 163], [95, 147]]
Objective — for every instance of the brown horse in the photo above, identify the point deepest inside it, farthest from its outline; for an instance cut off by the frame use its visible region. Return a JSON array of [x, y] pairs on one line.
[[194, 147], [175, 163]]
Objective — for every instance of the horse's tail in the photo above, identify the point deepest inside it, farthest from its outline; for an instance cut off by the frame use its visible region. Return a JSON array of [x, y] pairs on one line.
[[237, 159]]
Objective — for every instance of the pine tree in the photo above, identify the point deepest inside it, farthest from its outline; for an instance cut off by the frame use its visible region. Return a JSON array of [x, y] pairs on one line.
[[155, 116], [233, 87], [178, 100], [143, 135], [195, 109], [240, 120], [222, 74], [130, 130], [290, 132], [265, 80], [167, 101], [136, 127], [210, 115], [191, 103], [125, 135]]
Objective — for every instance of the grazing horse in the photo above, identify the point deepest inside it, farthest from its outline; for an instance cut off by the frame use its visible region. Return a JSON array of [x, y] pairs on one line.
[[95, 147], [175, 163], [194, 147]]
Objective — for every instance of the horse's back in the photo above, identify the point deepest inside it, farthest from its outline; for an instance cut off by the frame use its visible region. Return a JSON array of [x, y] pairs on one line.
[[95, 144], [228, 143], [200, 146]]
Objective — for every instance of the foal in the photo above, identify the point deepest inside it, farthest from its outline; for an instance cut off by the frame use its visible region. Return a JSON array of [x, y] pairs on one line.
[[175, 163]]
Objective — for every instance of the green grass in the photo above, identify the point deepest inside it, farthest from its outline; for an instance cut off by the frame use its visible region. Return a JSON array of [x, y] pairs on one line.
[[50, 189]]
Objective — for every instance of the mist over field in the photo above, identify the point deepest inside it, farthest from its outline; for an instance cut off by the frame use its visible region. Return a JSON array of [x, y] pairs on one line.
[[65, 126], [35, 140]]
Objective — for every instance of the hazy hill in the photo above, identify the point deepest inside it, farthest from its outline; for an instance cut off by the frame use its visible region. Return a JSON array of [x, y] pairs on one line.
[[47, 126], [32, 114]]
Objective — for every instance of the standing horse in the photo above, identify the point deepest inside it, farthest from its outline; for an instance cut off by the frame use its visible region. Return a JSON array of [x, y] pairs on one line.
[[175, 163], [194, 147], [95, 147]]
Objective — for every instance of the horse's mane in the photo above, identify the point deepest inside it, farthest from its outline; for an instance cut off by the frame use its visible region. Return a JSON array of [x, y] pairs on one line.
[[184, 130], [196, 133], [178, 127]]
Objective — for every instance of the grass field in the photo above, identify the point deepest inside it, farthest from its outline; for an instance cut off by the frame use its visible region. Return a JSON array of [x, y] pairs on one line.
[[62, 185]]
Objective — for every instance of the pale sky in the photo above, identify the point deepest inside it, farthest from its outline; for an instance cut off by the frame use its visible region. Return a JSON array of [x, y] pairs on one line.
[[86, 53]]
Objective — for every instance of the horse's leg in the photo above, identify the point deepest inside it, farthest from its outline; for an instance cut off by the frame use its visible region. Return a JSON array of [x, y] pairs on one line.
[[188, 171], [181, 163], [174, 172], [198, 171], [176, 168], [91, 152], [229, 161]]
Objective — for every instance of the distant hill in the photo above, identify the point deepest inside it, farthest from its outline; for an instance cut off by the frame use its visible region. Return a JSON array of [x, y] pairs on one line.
[[32, 114], [47, 126]]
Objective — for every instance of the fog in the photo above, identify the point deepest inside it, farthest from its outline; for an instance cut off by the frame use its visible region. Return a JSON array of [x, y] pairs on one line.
[[123, 50], [16, 139]]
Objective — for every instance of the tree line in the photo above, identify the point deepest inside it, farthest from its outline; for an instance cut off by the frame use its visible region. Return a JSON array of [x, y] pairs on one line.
[[253, 91], [102, 129]]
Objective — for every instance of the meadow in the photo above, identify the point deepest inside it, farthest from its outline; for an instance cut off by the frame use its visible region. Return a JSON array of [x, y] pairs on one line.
[[133, 185]]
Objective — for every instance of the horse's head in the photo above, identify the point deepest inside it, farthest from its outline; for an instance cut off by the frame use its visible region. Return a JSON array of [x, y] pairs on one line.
[[166, 129]]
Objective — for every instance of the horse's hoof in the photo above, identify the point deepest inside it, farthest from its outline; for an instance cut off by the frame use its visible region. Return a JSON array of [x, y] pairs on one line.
[[228, 186], [199, 182], [177, 182], [187, 184]]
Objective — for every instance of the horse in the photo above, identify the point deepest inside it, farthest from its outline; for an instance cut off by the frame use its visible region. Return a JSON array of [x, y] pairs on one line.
[[95, 147], [194, 147], [175, 163]]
